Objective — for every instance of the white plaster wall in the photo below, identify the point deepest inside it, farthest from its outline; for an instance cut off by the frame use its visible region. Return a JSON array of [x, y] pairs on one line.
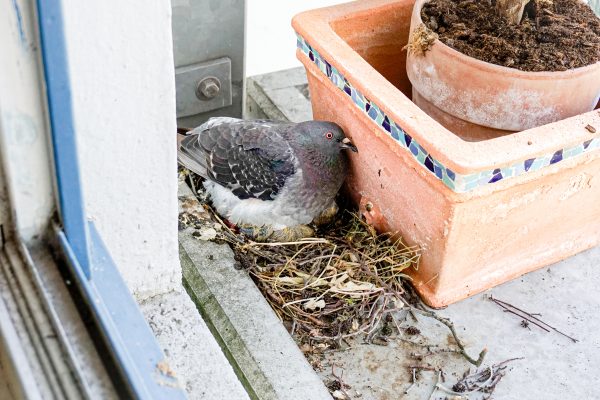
[[122, 77], [270, 39]]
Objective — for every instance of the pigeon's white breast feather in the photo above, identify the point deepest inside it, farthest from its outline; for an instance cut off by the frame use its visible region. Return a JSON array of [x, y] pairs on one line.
[[284, 211]]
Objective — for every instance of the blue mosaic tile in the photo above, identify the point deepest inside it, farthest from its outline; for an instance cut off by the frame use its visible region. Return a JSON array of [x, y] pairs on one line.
[[471, 177], [450, 173], [556, 157], [386, 124], [471, 185], [361, 97], [395, 132], [413, 148], [528, 163], [447, 181], [539, 163], [429, 164], [483, 180], [496, 178], [373, 113], [507, 172], [456, 182], [438, 171], [328, 69]]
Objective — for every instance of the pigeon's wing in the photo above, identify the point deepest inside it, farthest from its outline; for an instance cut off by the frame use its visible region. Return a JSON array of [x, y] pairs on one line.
[[250, 158], [189, 152]]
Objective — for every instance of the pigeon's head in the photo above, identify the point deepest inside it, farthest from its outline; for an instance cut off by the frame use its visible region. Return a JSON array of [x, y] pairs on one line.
[[328, 137]]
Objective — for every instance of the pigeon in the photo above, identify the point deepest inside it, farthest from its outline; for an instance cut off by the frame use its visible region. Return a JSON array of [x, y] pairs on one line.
[[269, 176]]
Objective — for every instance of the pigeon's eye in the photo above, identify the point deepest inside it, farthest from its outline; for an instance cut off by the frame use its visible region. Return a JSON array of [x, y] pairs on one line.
[[329, 135]]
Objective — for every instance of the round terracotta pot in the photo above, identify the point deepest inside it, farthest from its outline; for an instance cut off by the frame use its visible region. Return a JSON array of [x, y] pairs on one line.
[[473, 96]]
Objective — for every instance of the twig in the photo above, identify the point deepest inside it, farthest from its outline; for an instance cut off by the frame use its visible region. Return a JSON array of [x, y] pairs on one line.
[[529, 317], [524, 318], [477, 387], [423, 367], [477, 362], [437, 351], [193, 186], [293, 330], [479, 381], [417, 343], [414, 381], [303, 241], [414, 317], [340, 380], [435, 387]]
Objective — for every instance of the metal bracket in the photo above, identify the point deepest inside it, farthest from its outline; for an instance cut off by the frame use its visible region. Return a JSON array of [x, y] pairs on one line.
[[203, 87]]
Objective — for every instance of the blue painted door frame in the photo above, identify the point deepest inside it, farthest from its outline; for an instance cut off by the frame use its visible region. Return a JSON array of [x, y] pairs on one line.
[[123, 328]]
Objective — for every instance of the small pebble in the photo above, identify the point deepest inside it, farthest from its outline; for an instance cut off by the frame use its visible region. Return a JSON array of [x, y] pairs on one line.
[[208, 234]]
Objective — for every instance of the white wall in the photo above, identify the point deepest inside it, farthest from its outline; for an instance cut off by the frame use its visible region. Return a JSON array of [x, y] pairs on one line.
[[270, 39], [122, 77], [23, 139]]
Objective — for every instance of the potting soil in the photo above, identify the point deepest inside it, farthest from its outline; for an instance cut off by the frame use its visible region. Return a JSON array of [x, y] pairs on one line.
[[554, 35]]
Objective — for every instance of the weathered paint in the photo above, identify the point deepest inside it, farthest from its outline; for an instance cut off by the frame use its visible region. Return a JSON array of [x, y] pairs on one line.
[[23, 133]]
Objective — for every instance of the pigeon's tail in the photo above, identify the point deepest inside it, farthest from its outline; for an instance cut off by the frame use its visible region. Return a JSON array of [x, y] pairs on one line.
[[188, 155], [189, 152]]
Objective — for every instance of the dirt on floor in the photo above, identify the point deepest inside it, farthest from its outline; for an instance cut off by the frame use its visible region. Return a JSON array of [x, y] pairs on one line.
[[554, 35]]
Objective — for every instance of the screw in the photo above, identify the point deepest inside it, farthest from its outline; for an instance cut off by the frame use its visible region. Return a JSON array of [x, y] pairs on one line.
[[369, 206], [208, 88]]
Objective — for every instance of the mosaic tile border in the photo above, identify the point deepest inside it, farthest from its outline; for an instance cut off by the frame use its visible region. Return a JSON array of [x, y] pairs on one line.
[[456, 182]]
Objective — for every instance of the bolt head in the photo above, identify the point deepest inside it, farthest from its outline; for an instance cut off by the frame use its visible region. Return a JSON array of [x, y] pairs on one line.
[[208, 88]]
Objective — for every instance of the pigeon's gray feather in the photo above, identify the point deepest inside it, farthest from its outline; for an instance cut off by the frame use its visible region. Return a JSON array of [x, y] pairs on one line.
[[268, 173], [248, 157]]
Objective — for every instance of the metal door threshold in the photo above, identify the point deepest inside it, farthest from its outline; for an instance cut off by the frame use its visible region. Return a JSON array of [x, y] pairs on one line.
[[45, 350]]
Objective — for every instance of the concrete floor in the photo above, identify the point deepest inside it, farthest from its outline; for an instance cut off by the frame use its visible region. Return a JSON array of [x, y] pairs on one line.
[[553, 366]]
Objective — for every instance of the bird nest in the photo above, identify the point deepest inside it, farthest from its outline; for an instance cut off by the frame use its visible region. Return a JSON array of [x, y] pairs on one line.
[[340, 284]]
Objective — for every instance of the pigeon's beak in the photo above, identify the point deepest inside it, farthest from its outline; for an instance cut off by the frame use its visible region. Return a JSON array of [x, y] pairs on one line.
[[347, 144]]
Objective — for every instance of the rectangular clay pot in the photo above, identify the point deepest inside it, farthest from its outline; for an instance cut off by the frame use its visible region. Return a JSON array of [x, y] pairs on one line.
[[483, 212]]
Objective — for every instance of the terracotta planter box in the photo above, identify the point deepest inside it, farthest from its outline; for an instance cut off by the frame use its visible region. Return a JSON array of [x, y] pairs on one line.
[[485, 211]]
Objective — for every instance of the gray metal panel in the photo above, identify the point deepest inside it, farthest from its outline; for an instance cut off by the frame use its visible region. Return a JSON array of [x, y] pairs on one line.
[[205, 30], [189, 79]]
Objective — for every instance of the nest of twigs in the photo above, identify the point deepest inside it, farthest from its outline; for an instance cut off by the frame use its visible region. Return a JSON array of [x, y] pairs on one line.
[[348, 281], [338, 285]]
